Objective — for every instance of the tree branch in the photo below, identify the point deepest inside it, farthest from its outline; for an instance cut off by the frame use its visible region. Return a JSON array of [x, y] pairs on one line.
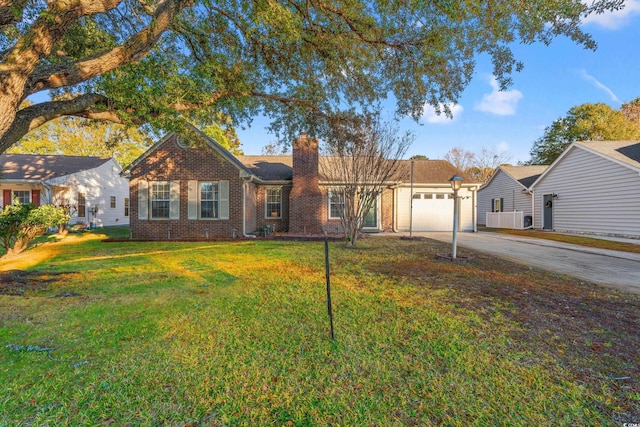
[[56, 76], [8, 9]]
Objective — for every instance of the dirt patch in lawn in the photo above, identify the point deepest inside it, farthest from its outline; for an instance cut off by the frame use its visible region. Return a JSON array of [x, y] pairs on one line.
[[556, 317], [21, 282]]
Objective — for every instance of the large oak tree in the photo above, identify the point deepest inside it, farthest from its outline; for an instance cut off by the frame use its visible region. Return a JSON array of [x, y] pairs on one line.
[[137, 61], [586, 122]]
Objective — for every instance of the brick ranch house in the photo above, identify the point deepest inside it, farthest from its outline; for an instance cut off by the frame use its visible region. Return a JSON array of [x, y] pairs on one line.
[[181, 190]]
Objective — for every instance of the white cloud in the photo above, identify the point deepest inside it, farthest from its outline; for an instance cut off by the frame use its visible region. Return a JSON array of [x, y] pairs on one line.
[[502, 147], [430, 116], [596, 83], [616, 19], [500, 103]]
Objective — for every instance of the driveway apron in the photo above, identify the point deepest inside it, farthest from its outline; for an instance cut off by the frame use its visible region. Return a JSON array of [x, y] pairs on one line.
[[617, 269]]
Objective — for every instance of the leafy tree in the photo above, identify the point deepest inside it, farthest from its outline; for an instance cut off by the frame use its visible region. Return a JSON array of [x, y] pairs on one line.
[[134, 61], [21, 223], [586, 122], [75, 136], [631, 111], [363, 158], [418, 157]]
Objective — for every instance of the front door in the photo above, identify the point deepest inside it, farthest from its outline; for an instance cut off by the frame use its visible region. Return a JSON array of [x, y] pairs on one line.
[[371, 219], [547, 212]]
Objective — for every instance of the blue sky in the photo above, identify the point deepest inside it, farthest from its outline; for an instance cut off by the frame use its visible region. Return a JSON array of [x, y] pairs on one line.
[[555, 78]]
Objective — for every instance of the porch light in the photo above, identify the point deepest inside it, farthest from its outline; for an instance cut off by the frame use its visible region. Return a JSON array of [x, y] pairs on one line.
[[456, 184]]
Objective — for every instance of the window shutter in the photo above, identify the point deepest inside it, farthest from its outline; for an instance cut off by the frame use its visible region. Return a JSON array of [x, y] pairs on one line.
[[35, 197], [493, 205], [174, 207], [6, 198], [223, 190], [192, 190], [143, 200], [501, 204]]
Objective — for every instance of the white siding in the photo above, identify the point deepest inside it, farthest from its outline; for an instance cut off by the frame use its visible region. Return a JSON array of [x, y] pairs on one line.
[[99, 184], [502, 186], [595, 195]]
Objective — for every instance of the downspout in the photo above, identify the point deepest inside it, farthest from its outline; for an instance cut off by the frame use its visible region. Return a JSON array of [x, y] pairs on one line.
[[395, 210], [533, 209], [474, 192], [244, 208]]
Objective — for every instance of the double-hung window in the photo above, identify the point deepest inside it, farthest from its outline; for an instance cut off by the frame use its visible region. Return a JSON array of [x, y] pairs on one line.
[[82, 205], [22, 197], [209, 200], [273, 198], [160, 199], [336, 204]]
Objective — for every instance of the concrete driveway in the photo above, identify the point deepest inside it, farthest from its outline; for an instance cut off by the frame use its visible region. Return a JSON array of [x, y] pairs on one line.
[[620, 270]]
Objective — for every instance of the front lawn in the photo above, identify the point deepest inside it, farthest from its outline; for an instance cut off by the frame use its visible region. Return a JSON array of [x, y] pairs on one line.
[[230, 334]]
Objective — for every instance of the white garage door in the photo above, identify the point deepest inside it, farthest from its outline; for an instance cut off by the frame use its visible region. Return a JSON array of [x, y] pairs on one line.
[[432, 211]]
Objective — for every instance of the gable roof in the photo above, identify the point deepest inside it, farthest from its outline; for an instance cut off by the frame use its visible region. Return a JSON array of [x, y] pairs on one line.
[[223, 152], [525, 175], [624, 153], [627, 152], [34, 167]]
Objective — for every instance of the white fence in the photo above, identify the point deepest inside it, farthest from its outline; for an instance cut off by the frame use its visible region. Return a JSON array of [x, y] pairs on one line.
[[513, 220]]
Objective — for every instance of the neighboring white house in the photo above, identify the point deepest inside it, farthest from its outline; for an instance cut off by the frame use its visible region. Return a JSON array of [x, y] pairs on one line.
[[593, 187], [505, 197], [91, 187]]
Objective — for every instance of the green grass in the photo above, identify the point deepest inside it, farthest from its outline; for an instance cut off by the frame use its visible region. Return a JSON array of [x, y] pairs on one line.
[[236, 334]]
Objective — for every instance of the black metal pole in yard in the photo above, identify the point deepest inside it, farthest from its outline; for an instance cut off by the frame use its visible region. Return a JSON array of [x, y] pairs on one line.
[[328, 279]]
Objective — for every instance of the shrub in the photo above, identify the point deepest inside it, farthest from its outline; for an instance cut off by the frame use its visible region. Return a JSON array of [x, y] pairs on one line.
[[21, 223]]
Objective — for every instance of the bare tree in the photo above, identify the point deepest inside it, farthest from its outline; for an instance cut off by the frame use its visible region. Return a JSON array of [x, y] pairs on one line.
[[485, 162], [478, 166], [363, 157], [460, 158]]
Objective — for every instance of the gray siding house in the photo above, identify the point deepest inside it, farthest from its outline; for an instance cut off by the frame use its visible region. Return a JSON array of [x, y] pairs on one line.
[[507, 191], [593, 188]]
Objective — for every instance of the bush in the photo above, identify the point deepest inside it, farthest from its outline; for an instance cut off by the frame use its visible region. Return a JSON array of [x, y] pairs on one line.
[[20, 224]]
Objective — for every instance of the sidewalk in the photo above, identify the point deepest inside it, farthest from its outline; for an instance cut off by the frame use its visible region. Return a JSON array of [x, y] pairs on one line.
[[617, 269]]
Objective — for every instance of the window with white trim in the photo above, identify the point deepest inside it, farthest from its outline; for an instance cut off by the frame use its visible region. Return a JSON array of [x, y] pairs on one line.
[[82, 205], [160, 199], [21, 197], [126, 206], [336, 204], [209, 200], [112, 202], [273, 203]]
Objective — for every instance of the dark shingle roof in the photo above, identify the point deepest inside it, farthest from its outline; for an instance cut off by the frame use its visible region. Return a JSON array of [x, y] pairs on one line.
[[269, 168], [274, 168], [42, 167]]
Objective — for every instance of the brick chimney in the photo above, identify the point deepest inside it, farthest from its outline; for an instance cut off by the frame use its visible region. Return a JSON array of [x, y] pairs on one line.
[[305, 200]]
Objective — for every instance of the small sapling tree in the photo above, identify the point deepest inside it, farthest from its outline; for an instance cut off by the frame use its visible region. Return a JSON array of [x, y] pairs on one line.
[[363, 157]]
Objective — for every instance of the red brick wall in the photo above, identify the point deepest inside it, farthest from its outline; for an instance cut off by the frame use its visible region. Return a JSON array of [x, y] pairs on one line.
[[281, 224], [306, 214], [173, 162], [386, 209]]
